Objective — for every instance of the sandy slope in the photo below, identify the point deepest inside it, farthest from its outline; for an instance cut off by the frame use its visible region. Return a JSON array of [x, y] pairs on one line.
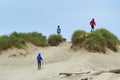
[[21, 64]]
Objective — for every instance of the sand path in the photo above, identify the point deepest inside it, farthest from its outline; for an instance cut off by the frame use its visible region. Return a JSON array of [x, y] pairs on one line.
[[56, 60]]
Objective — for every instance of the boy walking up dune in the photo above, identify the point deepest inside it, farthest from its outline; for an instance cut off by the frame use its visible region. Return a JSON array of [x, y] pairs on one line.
[[39, 59]]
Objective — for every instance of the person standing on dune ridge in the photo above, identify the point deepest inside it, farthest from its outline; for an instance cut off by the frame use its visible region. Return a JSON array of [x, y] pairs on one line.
[[92, 23], [58, 30]]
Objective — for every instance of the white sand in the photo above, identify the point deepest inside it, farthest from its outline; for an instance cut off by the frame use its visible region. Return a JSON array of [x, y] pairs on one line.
[[21, 64]]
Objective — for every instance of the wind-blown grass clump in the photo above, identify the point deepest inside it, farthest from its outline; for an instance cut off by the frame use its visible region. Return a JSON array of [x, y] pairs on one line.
[[112, 40], [20, 39], [35, 38], [55, 39], [8, 42], [78, 37], [95, 41], [38, 39]]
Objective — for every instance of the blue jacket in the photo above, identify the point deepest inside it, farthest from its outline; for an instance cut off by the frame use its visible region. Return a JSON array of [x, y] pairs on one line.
[[58, 30], [39, 58]]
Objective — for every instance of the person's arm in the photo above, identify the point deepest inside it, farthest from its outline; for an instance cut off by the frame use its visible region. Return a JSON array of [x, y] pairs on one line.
[[90, 23], [41, 58], [95, 24]]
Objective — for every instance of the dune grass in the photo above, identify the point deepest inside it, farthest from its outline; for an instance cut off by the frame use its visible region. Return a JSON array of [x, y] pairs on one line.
[[55, 39], [78, 37], [95, 41], [19, 40], [7, 42], [112, 40]]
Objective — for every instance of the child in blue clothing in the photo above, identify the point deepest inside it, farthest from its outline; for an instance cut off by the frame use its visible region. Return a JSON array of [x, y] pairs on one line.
[[39, 60], [58, 30]]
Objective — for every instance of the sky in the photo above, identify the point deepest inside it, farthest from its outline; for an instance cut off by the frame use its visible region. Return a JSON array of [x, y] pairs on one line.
[[44, 16]]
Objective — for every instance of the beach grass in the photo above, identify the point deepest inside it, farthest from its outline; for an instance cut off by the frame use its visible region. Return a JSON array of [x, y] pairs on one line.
[[19, 40], [95, 41], [55, 39]]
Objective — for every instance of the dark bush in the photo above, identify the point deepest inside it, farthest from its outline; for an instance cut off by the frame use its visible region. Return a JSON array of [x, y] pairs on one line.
[[54, 40]]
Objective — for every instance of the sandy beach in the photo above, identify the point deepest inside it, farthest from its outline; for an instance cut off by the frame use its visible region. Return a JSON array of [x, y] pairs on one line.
[[21, 64]]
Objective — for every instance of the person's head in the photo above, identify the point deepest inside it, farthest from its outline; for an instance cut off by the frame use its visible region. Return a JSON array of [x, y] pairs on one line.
[[92, 19], [58, 26], [39, 54]]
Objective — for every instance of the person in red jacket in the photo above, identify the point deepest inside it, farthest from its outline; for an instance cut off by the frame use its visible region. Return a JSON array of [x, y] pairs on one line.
[[92, 23]]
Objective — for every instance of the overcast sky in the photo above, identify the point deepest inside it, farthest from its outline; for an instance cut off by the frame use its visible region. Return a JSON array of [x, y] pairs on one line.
[[45, 15]]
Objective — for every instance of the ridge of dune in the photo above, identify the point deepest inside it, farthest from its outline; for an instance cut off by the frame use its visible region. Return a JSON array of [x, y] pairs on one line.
[[20, 64]]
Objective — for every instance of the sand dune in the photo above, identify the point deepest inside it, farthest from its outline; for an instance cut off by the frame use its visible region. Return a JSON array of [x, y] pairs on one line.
[[20, 64]]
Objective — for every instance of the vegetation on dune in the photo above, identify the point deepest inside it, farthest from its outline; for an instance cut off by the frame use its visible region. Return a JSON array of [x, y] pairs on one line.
[[55, 39], [95, 41], [8, 42], [78, 37], [112, 40], [20, 39], [35, 38]]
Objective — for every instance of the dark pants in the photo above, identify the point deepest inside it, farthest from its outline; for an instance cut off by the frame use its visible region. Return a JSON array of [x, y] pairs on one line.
[[39, 65], [92, 28]]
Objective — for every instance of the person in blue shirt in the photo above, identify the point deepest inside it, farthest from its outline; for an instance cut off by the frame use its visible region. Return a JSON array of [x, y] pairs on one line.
[[58, 30], [39, 60]]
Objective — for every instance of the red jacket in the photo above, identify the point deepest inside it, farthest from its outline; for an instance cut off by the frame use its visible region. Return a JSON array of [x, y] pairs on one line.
[[92, 22]]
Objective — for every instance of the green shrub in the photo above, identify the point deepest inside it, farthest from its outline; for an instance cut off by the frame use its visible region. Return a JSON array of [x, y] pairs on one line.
[[20, 39], [8, 42], [35, 38], [95, 43], [4, 42], [19, 43], [112, 40], [54, 40], [78, 37]]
